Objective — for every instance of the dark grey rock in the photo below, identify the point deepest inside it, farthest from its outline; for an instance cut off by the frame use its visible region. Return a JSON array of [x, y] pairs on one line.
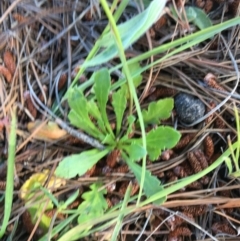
[[189, 108]]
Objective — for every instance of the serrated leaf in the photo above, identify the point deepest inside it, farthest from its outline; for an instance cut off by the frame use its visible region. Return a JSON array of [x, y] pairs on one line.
[[94, 204], [78, 164], [135, 151], [78, 115], [157, 111], [164, 137], [119, 103], [102, 84], [151, 184]]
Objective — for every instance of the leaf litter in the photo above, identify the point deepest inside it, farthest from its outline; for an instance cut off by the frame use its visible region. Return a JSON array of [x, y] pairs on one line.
[[46, 43]]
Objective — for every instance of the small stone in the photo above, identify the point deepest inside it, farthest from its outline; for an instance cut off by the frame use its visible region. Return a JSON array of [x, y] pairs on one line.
[[189, 108]]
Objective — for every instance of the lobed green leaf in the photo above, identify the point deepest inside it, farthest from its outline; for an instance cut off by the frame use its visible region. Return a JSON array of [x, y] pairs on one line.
[[94, 204], [164, 137], [79, 116], [157, 111]]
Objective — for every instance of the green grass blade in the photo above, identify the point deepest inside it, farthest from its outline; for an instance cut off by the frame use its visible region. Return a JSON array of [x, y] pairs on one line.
[[10, 174], [121, 215], [195, 38], [238, 138]]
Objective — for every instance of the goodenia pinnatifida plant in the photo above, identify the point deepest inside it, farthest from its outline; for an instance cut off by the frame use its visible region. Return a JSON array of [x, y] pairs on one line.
[[90, 115]]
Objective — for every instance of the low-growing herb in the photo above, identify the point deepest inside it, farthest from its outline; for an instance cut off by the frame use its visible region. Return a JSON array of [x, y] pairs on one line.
[[90, 115]]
